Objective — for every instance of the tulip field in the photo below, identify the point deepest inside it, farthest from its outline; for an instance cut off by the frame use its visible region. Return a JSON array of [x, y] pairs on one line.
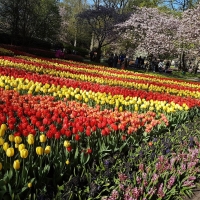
[[70, 130]]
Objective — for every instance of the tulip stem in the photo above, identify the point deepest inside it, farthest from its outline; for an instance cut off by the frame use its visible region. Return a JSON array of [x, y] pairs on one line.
[[23, 170]]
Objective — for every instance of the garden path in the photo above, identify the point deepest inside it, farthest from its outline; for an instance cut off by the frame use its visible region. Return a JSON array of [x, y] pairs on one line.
[[196, 195]]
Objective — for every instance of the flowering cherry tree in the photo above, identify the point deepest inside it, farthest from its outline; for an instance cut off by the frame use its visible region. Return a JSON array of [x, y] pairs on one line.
[[152, 30], [188, 34]]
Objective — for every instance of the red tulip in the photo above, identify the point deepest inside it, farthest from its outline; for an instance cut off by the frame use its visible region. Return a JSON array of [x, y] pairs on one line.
[[77, 137], [69, 148]]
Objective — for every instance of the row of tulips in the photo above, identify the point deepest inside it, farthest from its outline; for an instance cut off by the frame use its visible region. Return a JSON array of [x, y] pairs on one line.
[[149, 85], [25, 113], [108, 97], [127, 75]]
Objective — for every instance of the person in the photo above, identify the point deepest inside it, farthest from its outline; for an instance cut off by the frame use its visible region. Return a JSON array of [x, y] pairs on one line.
[[121, 59], [115, 60], [59, 54], [126, 62], [110, 60], [142, 62], [155, 65], [167, 66], [161, 66], [137, 62]]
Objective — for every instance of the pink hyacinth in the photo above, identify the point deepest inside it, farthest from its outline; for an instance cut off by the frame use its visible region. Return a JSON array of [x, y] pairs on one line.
[[171, 182], [160, 191]]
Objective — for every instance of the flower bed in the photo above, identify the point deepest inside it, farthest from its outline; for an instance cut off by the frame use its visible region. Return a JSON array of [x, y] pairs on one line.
[[61, 119]]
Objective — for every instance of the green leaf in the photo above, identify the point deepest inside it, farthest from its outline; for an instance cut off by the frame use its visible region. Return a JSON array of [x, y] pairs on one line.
[[23, 189], [10, 189], [10, 174], [76, 154]]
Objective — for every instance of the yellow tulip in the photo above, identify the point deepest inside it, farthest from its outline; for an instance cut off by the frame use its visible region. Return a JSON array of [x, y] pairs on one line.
[[10, 152], [16, 164], [30, 185], [30, 140], [67, 143], [18, 139], [47, 150], [67, 162], [43, 138], [21, 146], [2, 132], [30, 135], [39, 151], [11, 138], [5, 146], [24, 153], [16, 146], [1, 166], [3, 127], [1, 141]]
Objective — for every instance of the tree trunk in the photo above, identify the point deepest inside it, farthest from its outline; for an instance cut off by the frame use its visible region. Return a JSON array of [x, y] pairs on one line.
[[196, 66], [98, 56], [182, 65], [92, 42]]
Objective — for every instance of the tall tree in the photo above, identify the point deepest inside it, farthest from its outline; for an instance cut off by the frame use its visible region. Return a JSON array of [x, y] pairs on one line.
[[188, 34], [73, 31], [181, 5], [102, 21], [30, 18]]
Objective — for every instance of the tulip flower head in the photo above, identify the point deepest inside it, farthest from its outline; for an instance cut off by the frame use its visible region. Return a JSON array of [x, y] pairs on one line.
[[67, 144], [39, 151], [21, 146], [1, 141], [29, 185], [43, 138], [18, 139], [67, 162], [30, 140], [24, 153], [11, 138], [2, 132], [3, 127], [16, 164], [10, 152], [47, 150], [5, 146]]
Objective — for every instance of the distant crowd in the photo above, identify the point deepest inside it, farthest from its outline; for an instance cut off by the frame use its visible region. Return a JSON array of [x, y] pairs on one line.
[[146, 63]]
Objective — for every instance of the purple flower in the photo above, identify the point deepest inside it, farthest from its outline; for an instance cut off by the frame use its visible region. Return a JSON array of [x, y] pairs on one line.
[[155, 177], [171, 182], [192, 178], [160, 191], [122, 177], [115, 194], [188, 184], [136, 192], [141, 167], [152, 191], [138, 179], [183, 166]]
